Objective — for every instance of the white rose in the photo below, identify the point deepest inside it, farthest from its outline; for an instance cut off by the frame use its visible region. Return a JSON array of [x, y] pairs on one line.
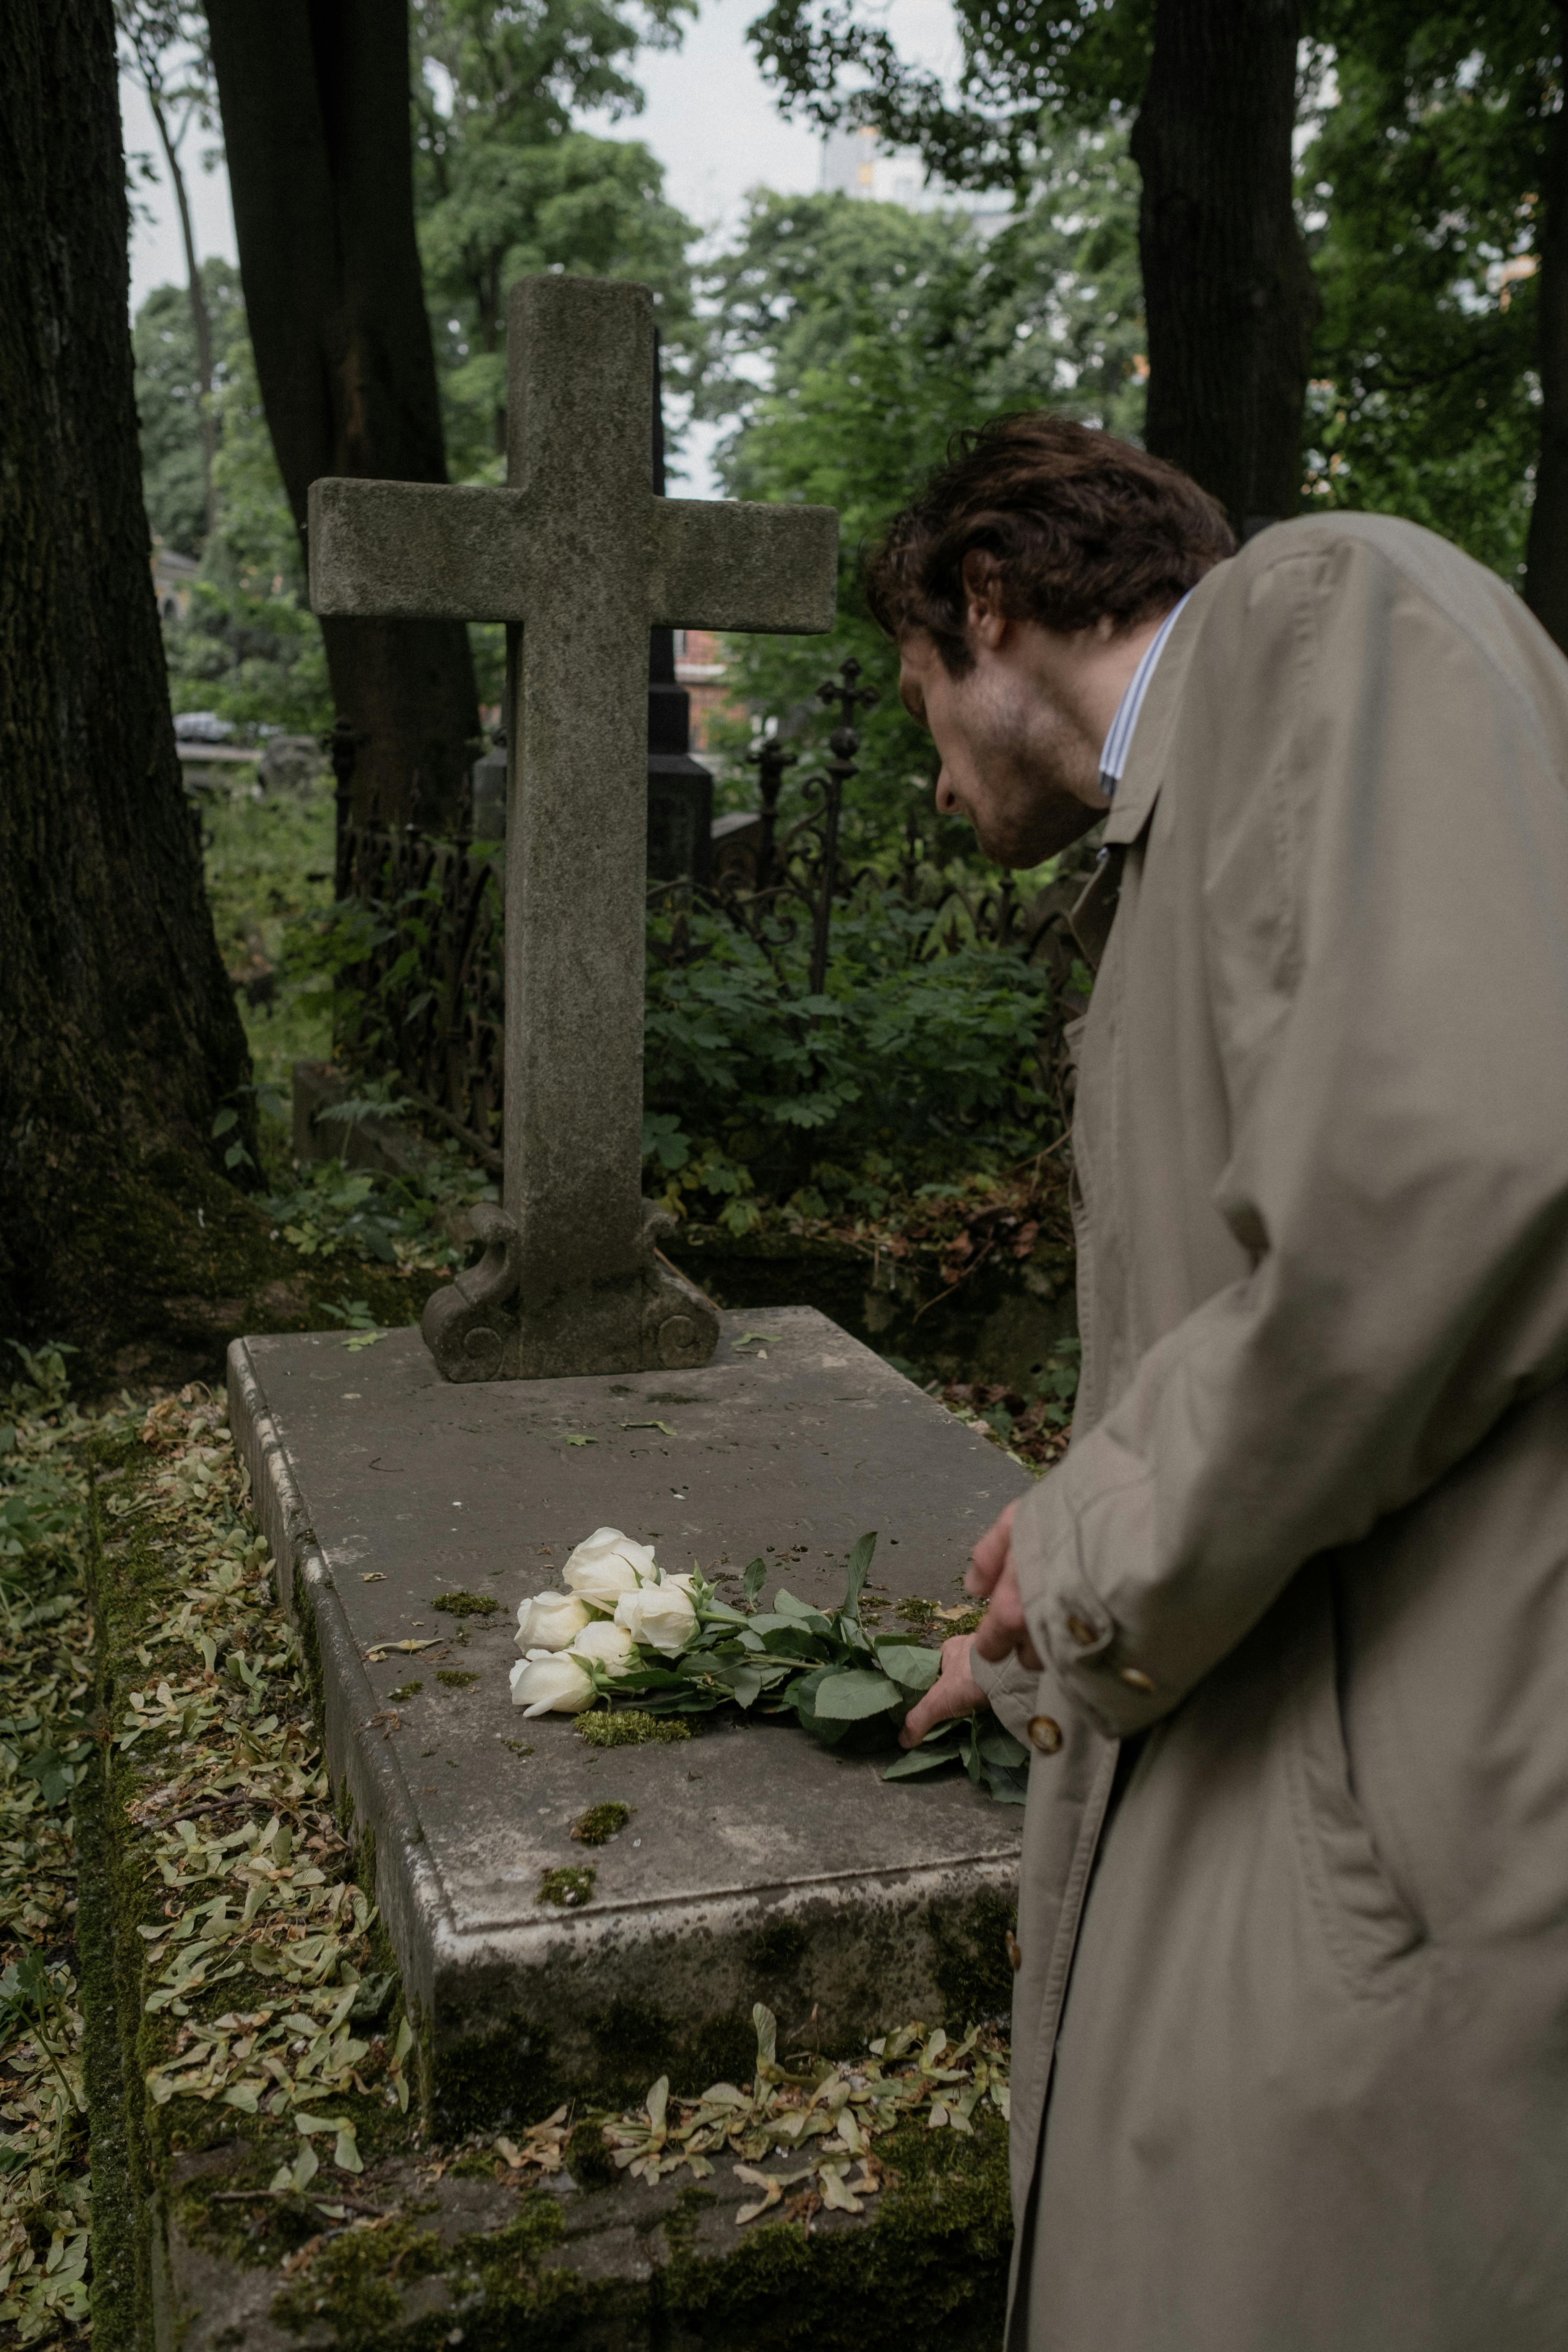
[[547, 1682], [611, 1646], [659, 1615], [606, 1564], [550, 1621]]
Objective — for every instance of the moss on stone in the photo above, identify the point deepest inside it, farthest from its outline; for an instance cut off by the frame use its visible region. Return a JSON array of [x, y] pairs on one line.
[[636, 2041], [453, 1678], [570, 1885], [600, 1823], [778, 1949], [466, 1604], [972, 1971], [931, 2270], [630, 1728], [354, 2286], [493, 2081]]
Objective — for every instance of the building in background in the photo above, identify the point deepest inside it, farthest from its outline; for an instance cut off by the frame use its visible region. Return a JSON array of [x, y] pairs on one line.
[[172, 578], [700, 667], [856, 164]]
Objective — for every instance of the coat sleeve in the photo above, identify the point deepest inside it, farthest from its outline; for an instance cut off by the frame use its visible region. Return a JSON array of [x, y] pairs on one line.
[[1011, 1692], [1383, 869]]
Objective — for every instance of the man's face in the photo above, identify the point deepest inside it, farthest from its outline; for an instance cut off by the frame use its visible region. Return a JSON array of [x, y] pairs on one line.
[[1019, 734]]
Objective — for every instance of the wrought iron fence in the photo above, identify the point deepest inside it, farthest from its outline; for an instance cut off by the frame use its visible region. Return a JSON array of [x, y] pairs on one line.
[[423, 986]]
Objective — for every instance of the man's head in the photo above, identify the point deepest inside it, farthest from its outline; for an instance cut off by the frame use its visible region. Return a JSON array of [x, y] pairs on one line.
[[1022, 589]]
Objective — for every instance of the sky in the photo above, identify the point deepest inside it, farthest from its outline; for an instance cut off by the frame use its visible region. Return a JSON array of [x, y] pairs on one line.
[[710, 118]]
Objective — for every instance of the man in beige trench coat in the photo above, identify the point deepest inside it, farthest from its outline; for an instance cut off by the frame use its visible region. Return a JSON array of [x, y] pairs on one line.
[[1288, 1627]]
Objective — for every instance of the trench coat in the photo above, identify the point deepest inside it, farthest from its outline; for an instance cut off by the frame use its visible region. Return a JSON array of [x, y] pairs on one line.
[[1291, 2002]]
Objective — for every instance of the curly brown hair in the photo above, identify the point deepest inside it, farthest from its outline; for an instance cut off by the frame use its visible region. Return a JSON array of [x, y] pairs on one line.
[[1081, 525]]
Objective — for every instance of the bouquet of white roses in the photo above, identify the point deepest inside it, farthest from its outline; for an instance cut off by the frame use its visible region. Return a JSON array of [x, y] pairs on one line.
[[625, 1633]]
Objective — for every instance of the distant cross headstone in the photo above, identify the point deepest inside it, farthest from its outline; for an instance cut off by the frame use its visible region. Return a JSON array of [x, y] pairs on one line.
[[580, 559]]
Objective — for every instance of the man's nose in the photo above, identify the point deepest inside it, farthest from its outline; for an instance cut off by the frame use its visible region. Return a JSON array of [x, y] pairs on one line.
[[946, 798]]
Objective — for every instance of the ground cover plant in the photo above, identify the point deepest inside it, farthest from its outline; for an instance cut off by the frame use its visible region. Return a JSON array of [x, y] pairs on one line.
[[908, 1066], [45, 1682]]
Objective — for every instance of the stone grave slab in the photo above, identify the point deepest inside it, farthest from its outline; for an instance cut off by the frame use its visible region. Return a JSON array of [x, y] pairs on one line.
[[758, 1865]]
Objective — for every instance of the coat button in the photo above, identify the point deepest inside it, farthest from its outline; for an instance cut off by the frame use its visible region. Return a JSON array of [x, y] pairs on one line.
[[1045, 1734], [1136, 1679], [1082, 1632], [1015, 1955]]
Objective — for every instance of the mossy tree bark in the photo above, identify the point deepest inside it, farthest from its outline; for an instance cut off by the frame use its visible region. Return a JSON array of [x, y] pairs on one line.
[[118, 1038], [314, 96], [1228, 289]]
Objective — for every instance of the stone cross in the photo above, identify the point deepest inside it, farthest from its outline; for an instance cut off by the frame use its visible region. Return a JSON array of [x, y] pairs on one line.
[[580, 559]]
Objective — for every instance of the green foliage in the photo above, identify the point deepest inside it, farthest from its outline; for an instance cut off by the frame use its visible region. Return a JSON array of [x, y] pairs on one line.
[[1018, 68], [505, 187], [883, 333], [168, 399], [268, 858], [249, 648], [498, 211], [903, 1066], [332, 1213], [1422, 182]]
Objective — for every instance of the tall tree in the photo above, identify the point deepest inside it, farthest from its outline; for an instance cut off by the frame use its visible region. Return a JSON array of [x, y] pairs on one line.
[[1425, 191], [504, 185], [1230, 297], [314, 101], [179, 397], [119, 1043], [1228, 286], [1443, 172], [160, 45], [883, 331]]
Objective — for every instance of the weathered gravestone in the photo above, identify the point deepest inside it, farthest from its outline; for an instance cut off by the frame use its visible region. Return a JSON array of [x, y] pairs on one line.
[[404, 1509], [579, 557]]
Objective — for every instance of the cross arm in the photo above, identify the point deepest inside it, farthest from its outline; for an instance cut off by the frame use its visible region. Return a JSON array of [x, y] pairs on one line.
[[720, 563], [416, 550]]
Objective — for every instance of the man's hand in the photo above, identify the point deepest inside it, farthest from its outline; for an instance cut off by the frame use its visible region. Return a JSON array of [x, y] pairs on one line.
[[955, 1692], [991, 1572], [1002, 1631]]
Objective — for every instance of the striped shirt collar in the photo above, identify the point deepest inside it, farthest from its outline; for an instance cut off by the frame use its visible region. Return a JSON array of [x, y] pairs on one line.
[[1119, 742]]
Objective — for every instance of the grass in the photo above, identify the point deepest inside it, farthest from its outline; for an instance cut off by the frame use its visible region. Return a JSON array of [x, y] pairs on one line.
[[268, 858]]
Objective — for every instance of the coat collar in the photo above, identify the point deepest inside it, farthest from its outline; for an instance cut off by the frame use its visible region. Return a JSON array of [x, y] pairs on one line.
[[1139, 785]]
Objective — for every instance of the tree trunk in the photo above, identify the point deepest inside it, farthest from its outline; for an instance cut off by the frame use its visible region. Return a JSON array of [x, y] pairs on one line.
[[1546, 549], [315, 103], [118, 1038], [1229, 293], [201, 321]]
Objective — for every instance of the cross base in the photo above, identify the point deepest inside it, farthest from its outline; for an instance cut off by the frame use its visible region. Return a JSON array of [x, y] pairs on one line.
[[650, 1320]]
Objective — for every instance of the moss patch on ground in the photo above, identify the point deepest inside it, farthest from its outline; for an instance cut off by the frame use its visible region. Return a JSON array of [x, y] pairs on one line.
[[600, 1823], [629, 1727]]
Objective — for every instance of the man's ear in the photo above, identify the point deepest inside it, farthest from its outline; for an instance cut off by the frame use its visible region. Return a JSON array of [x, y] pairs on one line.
[[984, 619]]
